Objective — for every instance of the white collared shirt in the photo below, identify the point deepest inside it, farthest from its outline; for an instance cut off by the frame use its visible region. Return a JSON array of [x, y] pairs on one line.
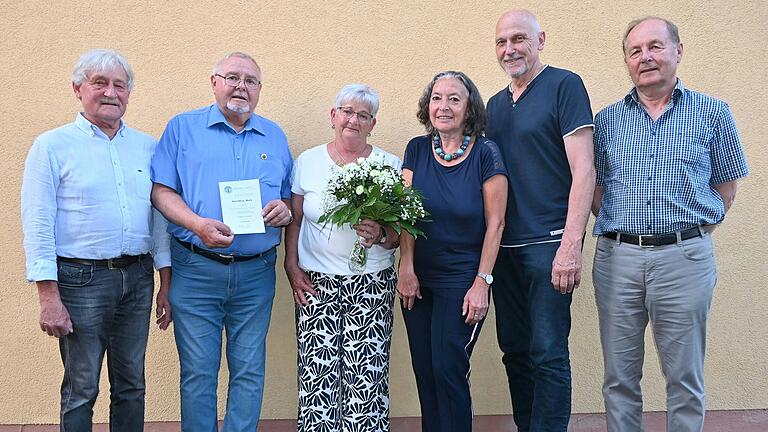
[[86, 196]]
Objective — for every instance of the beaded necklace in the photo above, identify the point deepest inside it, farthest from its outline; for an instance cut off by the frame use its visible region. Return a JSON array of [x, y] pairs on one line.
[[450, 156]]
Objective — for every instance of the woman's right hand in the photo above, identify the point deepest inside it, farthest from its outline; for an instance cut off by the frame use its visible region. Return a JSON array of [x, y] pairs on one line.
[[300, 284], [408, 288]]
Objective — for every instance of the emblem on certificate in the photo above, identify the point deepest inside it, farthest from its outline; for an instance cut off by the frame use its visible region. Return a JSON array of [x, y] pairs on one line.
[[241, 206]]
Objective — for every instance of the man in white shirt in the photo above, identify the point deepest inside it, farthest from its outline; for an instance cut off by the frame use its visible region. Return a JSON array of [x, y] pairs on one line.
[[90, 237]]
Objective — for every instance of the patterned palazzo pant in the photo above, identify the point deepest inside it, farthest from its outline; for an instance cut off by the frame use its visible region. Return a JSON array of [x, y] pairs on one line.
[[344, 336]]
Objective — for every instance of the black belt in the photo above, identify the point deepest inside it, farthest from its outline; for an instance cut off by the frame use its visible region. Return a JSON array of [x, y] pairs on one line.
[[112, 263], [222, 258], [655, 239]]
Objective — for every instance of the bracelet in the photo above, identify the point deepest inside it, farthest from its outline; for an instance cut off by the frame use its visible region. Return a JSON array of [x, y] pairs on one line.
[[290, 216]]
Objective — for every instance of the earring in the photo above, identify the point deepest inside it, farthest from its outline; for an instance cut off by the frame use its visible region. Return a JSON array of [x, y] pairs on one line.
[[333, 126], [369, 134]]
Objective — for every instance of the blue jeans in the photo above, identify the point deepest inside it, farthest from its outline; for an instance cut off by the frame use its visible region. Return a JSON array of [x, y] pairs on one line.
[[533, 321], [109, 309], [208, 297]]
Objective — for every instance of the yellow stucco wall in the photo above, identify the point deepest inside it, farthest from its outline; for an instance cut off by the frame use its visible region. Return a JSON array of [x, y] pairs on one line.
[[308, 50]]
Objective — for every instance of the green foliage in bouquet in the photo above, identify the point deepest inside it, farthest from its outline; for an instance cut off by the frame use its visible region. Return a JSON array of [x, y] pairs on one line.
[[369, 189]]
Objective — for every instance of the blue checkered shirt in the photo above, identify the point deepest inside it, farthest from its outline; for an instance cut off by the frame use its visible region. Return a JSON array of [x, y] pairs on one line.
[[659, 176]]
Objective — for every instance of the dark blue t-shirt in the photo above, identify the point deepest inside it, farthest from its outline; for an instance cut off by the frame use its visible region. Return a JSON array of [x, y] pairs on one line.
[[450, 254], [530, 134]]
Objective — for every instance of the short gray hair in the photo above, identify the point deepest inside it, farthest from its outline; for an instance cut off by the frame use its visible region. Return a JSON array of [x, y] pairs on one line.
[[674, 33], [237, 54], [361, 93], [101, 60]]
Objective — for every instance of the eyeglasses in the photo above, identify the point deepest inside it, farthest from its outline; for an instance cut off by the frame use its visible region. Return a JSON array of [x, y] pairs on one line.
[[234, 81], [348, 113]]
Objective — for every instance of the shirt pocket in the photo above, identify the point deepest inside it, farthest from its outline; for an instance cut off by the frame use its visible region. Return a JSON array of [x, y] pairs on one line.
[[143, 183], [271, 173], [621, 161], [692, 151]]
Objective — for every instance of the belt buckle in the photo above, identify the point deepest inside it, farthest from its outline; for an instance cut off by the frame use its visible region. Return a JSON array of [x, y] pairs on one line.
[[640, 241], [109, 264], [231, 258]]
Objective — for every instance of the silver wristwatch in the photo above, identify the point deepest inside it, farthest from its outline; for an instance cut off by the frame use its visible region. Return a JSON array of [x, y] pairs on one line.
[[486, 277]]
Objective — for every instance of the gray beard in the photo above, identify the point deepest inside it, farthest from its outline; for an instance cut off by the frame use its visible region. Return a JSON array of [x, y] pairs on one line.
[[519, 73], [238, 108]]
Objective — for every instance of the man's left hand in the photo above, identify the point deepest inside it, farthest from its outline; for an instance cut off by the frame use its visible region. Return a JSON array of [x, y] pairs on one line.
[[276, 213], [566, 268]]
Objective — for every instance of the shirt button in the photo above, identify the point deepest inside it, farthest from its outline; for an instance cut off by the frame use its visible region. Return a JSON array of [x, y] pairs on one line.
[[238, 158], [514, 105]]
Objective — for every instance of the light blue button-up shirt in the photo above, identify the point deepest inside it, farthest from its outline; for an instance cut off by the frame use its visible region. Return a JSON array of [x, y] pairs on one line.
[[86, 196], [659, 175], [199, 149]]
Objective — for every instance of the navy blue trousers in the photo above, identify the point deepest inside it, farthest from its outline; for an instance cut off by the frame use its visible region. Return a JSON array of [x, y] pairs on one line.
[[441, 344], [533, 321]]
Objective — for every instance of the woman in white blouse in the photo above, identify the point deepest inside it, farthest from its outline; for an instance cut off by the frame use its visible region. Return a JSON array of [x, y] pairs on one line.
[[343, 318]]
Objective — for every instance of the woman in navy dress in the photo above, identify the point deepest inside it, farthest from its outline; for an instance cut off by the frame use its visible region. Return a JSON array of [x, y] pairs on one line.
[[444, 279]]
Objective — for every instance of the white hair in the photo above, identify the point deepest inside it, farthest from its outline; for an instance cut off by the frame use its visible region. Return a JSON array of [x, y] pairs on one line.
[[237, 54], [361, 93], [101, 60]]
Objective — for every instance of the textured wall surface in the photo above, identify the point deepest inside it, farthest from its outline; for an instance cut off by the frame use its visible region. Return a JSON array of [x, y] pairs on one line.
[[307, 51]]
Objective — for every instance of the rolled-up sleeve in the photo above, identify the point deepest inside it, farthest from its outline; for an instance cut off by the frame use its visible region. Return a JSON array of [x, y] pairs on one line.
[[161, 240], [38, 212]]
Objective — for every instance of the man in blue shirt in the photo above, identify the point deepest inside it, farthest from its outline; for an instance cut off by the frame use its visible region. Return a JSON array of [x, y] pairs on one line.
[[89, 229], [224, 280], [667, 162], [542, 123]]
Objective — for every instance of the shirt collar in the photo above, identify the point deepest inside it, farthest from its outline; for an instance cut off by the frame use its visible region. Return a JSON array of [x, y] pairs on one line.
[[91, 129], [215, 116], [530, 83], [677, 93]]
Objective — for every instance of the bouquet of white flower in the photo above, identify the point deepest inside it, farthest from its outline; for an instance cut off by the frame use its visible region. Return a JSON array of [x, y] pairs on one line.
[[369, 189]]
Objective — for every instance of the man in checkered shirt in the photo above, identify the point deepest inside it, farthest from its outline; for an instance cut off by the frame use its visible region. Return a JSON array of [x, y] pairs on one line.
[[667, 161]]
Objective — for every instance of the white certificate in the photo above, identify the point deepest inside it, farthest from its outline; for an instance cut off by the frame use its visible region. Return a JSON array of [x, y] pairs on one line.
[[241, 206]]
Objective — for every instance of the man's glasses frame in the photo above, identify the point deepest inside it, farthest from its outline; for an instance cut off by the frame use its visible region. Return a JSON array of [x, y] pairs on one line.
[[234, 81]]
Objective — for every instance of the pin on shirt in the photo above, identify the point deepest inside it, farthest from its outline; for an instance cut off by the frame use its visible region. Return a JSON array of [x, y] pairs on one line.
[[263, 156]]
